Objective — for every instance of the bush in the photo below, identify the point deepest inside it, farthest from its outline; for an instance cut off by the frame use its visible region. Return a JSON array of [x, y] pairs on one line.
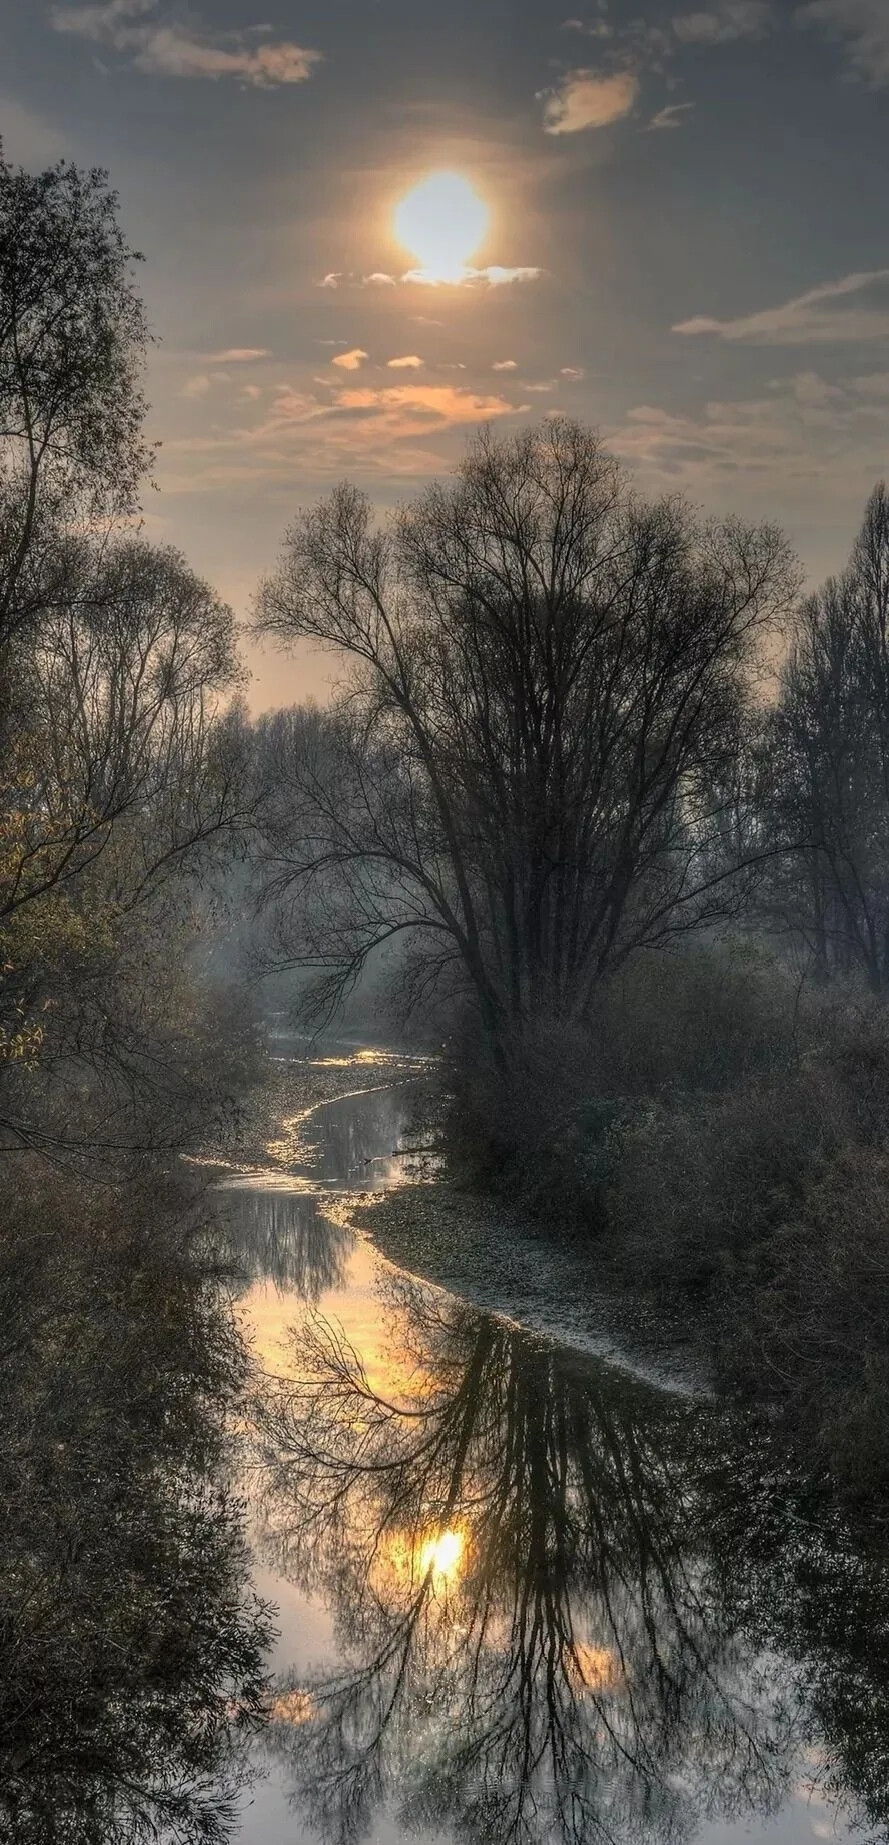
[[549, 1119]]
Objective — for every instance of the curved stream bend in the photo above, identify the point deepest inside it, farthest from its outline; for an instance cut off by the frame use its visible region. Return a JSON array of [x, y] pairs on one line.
[[525, 1597]]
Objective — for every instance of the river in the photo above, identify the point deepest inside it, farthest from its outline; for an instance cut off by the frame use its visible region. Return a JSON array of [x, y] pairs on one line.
[[524, 1594]]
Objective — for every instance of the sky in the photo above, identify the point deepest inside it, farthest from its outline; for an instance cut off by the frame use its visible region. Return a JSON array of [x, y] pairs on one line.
[[685, 243]]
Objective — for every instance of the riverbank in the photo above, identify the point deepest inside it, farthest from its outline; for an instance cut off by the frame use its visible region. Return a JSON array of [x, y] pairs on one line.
[[731, 1175], [735, 1243]]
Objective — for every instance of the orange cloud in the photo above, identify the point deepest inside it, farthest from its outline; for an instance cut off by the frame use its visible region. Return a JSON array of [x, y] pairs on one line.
[[410, 409], [352, 360], [588, 100], [410, 363]]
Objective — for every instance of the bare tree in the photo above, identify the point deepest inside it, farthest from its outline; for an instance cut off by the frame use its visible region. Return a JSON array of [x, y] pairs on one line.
[[830, 768], [525, 772]]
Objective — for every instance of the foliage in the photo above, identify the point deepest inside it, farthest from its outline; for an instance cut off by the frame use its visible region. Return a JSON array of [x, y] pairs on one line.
[[122, 770]]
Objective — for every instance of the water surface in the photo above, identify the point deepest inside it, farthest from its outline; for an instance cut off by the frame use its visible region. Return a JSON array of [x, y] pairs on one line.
[[523, 1595]]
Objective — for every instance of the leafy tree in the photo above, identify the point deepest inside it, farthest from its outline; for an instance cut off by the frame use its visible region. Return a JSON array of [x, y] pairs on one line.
[[72, 337], [121, 767]]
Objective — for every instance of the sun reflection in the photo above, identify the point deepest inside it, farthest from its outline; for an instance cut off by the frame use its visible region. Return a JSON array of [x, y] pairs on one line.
[[595, 1668], [443, 1555], [442, 222], [293, 1707]]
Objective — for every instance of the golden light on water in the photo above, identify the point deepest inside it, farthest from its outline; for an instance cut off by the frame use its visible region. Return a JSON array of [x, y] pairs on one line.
[[443, 1554], [595, 1668], [442, 222]]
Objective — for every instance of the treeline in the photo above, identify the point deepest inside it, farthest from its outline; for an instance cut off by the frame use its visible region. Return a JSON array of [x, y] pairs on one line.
[[131, 1652], [562, 739], [121, 736]]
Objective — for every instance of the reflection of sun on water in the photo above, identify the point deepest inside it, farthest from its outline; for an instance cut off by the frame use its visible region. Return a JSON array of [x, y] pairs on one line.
[[595, 1667], [442, 222], [443, 1555], [293, 1707]]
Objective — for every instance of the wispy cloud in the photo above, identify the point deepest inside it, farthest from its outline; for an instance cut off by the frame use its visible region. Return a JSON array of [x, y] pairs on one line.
[[807, 440], [722, 24], [397, 431], [505, 365], [352, 360], [863, 25], [409, 362], [161, 46], [672, 117], [832, 312], [411, 408], [589, 99], [237, 355]]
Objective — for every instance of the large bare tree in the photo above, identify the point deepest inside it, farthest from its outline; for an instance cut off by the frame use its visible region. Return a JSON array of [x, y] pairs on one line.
[[527, 769]]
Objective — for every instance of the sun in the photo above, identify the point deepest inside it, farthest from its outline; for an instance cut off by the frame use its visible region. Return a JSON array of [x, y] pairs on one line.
[[442, 1554], [442, 222]]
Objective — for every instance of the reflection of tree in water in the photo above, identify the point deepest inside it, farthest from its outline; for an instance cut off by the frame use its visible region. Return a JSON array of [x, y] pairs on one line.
[[347, 1137], [811, 1587], [516, 1555], [284, 1236], [131, 1652]]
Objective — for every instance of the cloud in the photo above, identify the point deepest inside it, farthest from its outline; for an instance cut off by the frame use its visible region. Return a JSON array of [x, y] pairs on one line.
[[573, 373], [807, 439], [863, 24], [166, 48], [352, 360], [721, 25], [237, 355], [811, 319], [495, 276], [505, 365], [27, 138], [401, 431], [587, 99], [410, 409], [671, 117], [409, 363]]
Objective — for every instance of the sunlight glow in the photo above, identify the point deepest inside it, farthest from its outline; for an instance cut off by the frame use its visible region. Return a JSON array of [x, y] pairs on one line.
[[443, 1555], [442, 222]]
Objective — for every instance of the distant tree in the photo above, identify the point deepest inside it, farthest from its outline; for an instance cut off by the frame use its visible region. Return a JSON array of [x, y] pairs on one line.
[[526, 772], [829, 808]]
